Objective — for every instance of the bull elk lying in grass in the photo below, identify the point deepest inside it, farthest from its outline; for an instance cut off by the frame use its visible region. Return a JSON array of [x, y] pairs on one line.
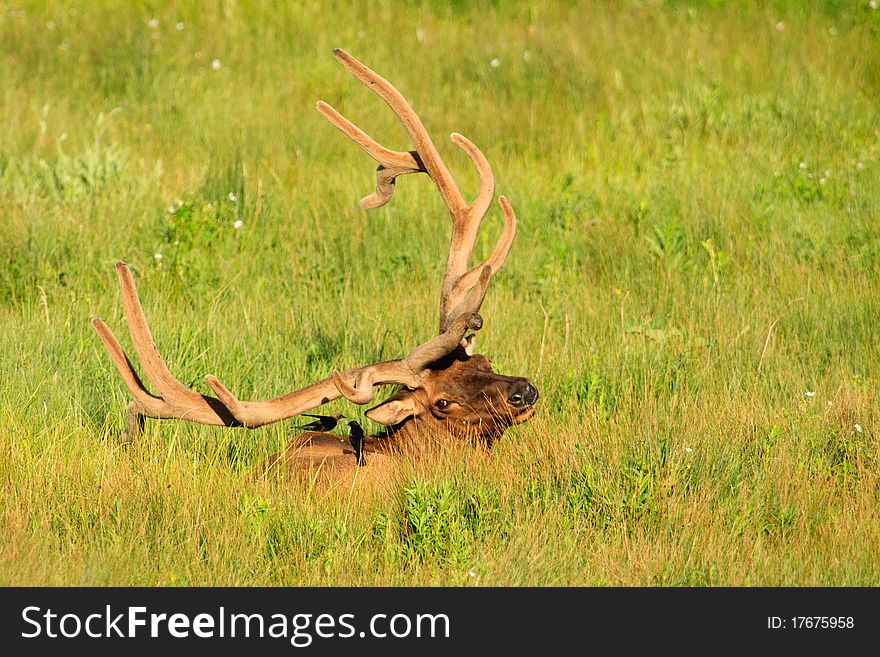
[[447, 390]]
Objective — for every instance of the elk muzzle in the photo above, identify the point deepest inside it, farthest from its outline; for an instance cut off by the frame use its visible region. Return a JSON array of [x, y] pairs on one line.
[[523, 394]]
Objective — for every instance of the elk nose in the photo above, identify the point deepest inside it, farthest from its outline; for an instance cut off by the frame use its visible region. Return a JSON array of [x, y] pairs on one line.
[[524, 394]]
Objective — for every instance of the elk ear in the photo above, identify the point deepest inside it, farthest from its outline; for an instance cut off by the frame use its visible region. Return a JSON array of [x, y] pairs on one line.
[[394, 410]]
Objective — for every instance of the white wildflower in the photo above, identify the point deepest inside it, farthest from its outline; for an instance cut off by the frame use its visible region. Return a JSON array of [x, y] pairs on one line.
[[179, 27], [233, 197], [420, 35], [471, 573], [810, 393], [527, 55], [822, 181], [857, 427], [802, 165], [874, 4], [157, 257], [172, 209], [688, 449], [216, 65], [780, 26], [237, 224], [860, 165], [153, 23], [495, 63], [832, 31]]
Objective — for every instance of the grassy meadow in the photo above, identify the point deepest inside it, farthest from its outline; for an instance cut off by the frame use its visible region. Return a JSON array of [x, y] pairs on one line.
[[694, 288]]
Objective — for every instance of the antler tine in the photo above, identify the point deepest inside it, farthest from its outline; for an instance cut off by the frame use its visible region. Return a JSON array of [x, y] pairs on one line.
[[169, 388], [152, 405], [154, 366], [174, 400], [493, 263], [486, 192], [466, 219], [391, 163], [433, 164], [445, 343]]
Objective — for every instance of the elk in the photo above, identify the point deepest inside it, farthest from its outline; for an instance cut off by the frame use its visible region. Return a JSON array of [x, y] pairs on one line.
[[446, 389]]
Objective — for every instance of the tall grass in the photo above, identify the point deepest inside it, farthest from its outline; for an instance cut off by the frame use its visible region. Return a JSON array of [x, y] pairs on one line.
[[694, 288]]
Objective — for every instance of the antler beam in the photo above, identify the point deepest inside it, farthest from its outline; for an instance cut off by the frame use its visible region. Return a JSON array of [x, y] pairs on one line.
[[458, 280]]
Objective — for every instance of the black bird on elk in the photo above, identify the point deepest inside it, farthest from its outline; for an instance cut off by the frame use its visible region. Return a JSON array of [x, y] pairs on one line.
[[321, 422], [356, 438]]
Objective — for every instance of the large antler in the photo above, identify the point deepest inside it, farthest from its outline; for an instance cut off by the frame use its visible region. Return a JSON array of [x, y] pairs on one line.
[[466, 218], [177, 401], [461, 296]]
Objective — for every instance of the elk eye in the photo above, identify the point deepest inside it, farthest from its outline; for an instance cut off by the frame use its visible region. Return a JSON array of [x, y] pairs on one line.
[[442, 404]]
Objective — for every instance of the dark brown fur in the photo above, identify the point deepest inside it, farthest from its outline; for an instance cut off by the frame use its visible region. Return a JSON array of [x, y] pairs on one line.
[[461, 399]]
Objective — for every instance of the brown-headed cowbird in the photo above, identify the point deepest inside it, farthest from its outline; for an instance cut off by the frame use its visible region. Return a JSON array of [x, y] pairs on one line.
[[322, 422], [356, 437]]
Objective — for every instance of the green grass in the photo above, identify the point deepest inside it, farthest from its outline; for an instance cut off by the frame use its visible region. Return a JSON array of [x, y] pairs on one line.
[[685, 272]]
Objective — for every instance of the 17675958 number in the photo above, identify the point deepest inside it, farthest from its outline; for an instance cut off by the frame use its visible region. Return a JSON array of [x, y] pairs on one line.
[[810, 623]]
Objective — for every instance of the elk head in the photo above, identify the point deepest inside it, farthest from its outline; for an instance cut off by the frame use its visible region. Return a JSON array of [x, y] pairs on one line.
[[461, 396], [446, 389]]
